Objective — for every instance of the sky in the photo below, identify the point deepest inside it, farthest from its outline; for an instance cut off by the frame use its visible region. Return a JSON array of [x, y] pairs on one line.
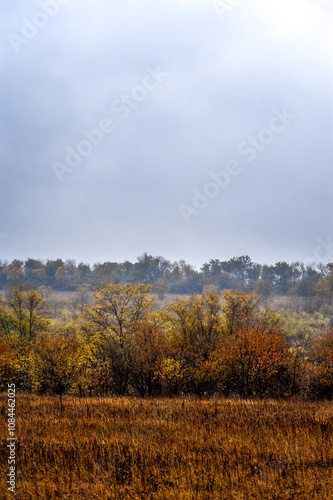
[[190, 129]]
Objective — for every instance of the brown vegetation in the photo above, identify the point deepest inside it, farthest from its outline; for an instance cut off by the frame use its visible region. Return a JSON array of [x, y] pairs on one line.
[[182, 448]]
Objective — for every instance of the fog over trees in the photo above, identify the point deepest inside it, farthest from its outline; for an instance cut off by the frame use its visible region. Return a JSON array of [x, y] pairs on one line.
[[178, 277]]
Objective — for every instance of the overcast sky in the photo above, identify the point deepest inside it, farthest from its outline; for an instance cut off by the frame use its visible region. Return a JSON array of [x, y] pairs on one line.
[[190, 129]]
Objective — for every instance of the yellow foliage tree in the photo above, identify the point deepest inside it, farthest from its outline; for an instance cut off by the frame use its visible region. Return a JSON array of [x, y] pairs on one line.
[[193, 327], [148, 347], [239, 308], [23, 316], [109, 326], [58, 360]]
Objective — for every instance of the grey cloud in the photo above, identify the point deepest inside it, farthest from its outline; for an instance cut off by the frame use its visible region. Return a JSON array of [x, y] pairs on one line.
[[224, 80]]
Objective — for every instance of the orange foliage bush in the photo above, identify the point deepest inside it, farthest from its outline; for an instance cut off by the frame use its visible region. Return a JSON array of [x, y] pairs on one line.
[[253, 360]]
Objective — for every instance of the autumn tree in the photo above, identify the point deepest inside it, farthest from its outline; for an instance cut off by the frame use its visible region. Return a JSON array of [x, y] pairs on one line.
[[35, 305], [110, 325], [5, 320], [322, 359], [25, 314], [253, 360], [51, 268], [195, 323], [148, 347], [18, 316], [21, 320], [34, 271], [66, 276], [239, 308], [58, 361], [193, 327], [10, 365], [14, 271]]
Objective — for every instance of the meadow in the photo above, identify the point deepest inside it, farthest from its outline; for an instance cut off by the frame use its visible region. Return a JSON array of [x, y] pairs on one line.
[[131, 448]]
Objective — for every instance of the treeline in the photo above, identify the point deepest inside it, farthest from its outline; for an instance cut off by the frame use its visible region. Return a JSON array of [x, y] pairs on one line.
[[172, 277], [215, 343]]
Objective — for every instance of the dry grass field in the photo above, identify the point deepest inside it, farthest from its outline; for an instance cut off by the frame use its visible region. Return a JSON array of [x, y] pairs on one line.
[[129, 448]]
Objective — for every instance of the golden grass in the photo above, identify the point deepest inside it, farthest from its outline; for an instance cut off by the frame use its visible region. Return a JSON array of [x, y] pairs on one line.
[[129, 448]]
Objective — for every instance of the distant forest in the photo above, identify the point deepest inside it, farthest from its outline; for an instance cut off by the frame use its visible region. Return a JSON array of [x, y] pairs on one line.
[[173, 277]]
